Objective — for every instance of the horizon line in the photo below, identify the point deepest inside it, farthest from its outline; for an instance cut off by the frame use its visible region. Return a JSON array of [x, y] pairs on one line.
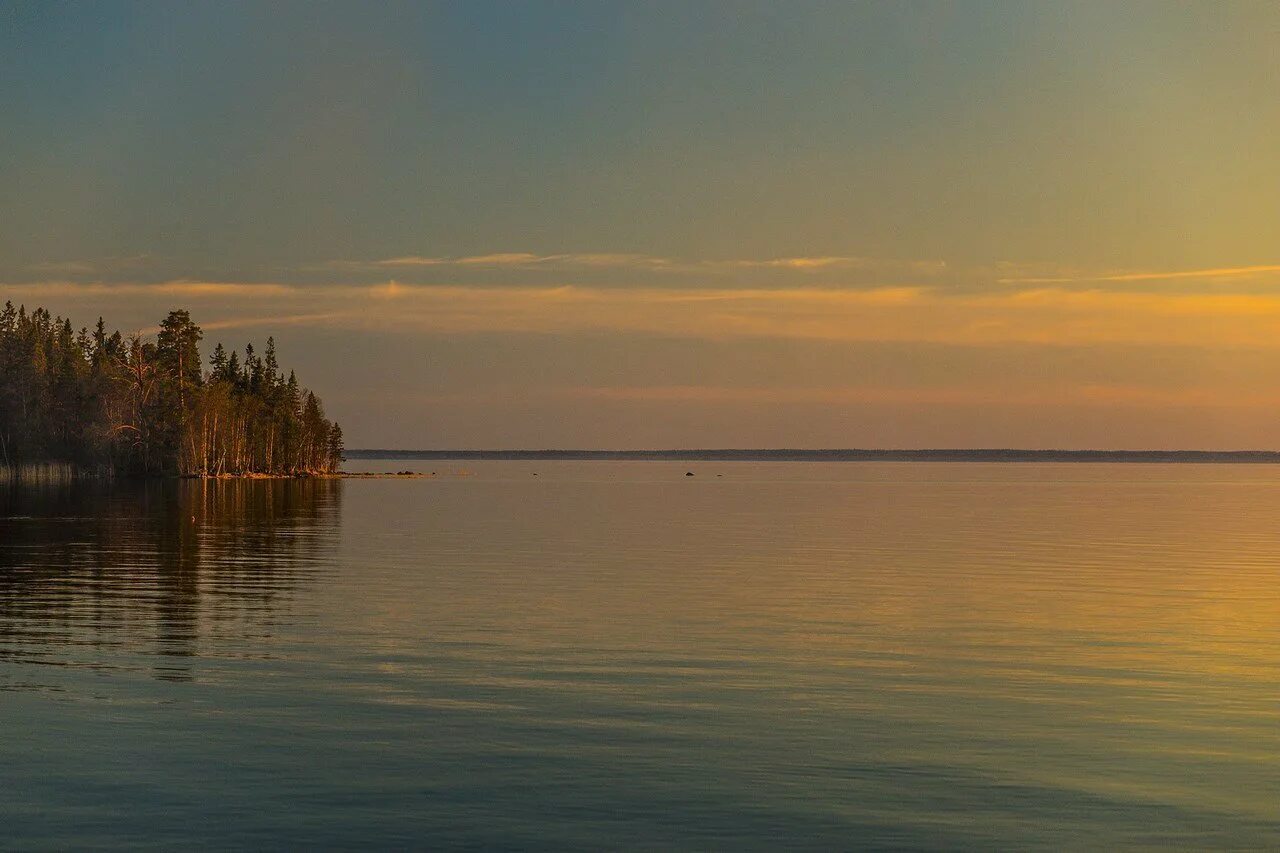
[[829, 454]]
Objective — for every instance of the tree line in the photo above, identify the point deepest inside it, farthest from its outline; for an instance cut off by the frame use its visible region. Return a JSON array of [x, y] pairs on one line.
[[109, 403]]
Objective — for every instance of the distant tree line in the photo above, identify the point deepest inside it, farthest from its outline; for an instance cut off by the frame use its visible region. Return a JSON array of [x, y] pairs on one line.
[[115, 404]]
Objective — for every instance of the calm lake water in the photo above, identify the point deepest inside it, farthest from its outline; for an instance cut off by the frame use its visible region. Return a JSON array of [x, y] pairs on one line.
[[613, 654]]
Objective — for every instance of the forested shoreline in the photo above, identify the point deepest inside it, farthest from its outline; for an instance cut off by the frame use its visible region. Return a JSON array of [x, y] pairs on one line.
[[105, 403]]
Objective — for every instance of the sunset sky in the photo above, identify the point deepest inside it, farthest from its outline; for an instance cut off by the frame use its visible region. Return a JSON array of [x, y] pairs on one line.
[[657, 225]]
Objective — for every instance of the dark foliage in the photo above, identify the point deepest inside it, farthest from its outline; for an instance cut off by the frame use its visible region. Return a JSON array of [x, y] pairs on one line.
[[112, 404]]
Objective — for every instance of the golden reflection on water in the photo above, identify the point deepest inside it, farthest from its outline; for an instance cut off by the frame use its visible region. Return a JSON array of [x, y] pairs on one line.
[[908, 655]]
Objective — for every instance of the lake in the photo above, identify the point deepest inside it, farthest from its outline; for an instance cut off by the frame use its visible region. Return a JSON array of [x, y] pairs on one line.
[[609, 654]]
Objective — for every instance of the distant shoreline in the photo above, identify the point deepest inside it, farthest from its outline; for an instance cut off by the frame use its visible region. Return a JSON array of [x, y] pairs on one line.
[[850, 455]]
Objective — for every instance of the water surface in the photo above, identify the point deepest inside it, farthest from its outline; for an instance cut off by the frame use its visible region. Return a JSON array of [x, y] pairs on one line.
[[595, 654]]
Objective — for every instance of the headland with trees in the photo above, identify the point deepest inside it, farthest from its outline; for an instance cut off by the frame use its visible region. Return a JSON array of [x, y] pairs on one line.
[[105, 403]]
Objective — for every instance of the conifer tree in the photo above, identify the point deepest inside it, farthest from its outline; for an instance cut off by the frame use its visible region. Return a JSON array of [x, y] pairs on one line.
[[103, 403]]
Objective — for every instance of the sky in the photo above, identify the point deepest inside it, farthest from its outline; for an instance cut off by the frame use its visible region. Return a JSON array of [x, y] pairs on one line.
[[686, 224]]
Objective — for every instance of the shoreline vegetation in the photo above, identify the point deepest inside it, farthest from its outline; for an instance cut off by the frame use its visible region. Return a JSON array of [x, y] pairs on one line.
[[53, 472], [102, 404]]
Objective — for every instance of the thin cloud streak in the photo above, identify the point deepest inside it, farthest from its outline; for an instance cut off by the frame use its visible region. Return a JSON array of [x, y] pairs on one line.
[[312, 320], [318, 319], [523, 260], [1212, 273], [180, 287], [1045, 316], [581, 267], [650, 263], [907, 314], [1081, 394]]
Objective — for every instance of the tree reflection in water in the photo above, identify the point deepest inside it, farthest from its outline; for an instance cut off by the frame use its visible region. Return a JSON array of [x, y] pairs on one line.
[[152, 570]]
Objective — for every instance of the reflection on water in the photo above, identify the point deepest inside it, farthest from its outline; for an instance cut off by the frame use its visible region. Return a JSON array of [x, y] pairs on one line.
[[87, 566], [607, 654]]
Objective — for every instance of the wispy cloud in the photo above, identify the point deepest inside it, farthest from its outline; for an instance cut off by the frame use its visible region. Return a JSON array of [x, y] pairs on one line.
[[632, 269], [1047, 315], [522, 260], [1257, 271], [180, 287], [625, 261], [1100, 394], [257, 320], [823, 263]]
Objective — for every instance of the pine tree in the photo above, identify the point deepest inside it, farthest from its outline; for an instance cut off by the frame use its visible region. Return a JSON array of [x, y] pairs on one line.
[[101, 402], [336, 447], [178, 353], [218, 362]]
